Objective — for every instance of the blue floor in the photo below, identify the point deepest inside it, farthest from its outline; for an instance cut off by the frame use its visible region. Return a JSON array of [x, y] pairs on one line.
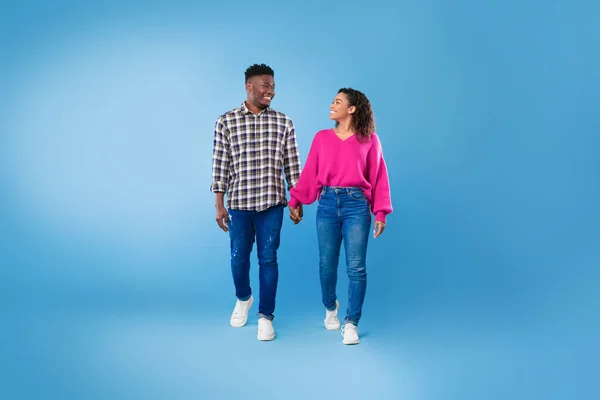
[[181, 347]]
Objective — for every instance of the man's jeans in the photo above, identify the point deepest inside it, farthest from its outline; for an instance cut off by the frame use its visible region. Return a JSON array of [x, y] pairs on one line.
[[265, 226], [343, 213]]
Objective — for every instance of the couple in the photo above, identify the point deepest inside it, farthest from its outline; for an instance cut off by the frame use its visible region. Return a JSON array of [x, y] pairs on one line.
[[254, 146]]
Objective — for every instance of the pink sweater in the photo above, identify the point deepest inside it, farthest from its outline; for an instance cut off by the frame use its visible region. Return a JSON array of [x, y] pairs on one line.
[[336, 162]]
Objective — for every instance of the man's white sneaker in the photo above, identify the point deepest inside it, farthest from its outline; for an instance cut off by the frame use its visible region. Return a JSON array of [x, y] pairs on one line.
[[332, 322], [350, 334], [239, 316], [265, 330]]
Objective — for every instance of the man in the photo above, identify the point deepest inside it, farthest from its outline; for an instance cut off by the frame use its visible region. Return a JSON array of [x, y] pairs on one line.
[[253, 146]]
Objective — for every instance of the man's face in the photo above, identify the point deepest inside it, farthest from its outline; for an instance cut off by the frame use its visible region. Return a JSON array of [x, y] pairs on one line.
[[261, 90]]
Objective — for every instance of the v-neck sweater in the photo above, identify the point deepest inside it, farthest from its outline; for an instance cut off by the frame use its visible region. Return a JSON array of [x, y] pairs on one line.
[[349, 162]]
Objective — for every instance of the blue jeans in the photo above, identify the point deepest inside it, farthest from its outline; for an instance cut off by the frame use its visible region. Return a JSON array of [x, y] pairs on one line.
[[343, 214], [265, 226]]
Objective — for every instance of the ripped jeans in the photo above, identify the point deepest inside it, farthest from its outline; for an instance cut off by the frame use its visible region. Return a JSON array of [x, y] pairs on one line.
[[265, 226]]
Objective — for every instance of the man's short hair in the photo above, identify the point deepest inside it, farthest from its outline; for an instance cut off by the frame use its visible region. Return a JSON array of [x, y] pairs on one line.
[[257, 70]]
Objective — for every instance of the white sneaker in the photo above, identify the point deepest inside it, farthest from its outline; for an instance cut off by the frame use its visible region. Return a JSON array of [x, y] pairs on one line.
[[332, 322], [265, 330], [239, 316], [350, 334]]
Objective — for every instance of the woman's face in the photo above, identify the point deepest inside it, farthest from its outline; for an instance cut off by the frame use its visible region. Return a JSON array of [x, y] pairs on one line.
[[340, 108]]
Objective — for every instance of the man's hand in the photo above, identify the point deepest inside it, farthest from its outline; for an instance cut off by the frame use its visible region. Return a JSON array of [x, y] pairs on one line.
[[222, 215], [379, 227], [222, 218], [296, 214]]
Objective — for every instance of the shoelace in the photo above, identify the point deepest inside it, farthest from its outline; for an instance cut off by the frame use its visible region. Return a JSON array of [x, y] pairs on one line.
[[237, 311], [352, 328], [262, 326]]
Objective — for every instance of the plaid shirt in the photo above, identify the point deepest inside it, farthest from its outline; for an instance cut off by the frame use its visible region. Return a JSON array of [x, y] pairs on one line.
[[250, 154]]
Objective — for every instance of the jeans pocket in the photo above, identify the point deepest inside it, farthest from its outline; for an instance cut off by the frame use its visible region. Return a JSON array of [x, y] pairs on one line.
[[322, 192], [357, 195]]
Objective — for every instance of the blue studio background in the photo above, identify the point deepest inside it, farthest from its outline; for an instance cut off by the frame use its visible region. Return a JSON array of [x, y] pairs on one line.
[[115, 280]]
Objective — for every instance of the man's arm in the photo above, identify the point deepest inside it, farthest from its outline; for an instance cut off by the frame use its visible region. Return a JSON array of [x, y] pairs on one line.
[[219, 199], [291, 166], [291, 157], [222, 214], [220, 172]]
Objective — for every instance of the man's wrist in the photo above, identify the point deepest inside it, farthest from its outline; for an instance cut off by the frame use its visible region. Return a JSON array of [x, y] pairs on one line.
[[219, 199]]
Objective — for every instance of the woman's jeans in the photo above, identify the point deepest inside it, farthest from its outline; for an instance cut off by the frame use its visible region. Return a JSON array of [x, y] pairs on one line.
[[265, 226], [343, 213]]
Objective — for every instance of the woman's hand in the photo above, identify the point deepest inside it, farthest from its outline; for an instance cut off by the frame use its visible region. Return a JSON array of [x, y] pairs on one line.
[[379, 227], [296, 214]]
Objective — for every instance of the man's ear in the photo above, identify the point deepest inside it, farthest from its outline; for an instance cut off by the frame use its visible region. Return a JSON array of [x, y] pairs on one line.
[[248, 85]]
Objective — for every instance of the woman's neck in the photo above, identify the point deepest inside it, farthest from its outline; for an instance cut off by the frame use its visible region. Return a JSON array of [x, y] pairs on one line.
[[345, 128]]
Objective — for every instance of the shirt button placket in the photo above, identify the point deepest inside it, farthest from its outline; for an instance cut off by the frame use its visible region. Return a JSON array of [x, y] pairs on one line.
[[256, 138]]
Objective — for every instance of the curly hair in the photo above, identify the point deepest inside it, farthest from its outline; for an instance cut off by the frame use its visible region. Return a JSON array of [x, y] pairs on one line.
[[363, 120], [257, 70]]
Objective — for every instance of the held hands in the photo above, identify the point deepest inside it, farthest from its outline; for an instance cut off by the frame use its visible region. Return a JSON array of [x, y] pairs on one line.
[[296, 214], [222, 218], [378, 229]]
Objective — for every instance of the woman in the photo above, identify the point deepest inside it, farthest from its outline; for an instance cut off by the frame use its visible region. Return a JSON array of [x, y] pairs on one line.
[[346, 171]]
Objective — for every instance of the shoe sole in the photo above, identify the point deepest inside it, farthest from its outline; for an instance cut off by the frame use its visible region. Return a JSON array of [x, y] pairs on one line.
[[246, 320], [266, 339]]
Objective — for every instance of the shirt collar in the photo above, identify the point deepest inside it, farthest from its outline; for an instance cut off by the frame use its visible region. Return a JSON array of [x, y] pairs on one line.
[[245, 109]]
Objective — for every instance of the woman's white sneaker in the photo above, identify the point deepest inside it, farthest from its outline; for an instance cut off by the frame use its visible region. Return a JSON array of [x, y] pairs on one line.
[[239, 316], [350, 334], [332, 322]]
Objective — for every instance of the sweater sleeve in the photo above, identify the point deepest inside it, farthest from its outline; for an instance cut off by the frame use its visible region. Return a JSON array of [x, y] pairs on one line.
[[305, 191], [381, 204]]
